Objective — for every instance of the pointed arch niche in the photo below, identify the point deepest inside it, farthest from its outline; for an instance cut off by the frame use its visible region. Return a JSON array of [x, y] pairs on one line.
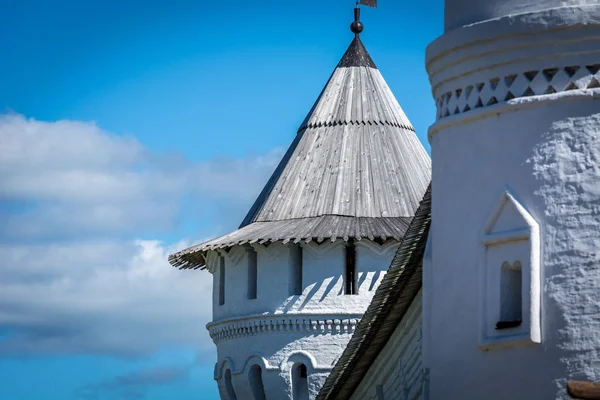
[[510, 276]]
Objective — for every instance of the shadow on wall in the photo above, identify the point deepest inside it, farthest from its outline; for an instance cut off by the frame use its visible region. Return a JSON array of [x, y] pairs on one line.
[[311, 294], [375, 279], [316, 286], [330, 286], [332, 282]]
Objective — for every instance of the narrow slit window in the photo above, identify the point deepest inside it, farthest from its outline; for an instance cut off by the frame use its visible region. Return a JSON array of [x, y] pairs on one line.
[[256, 382], [229, 386], [299, 382], [295, 270], [221, 280], [511, 313], [350, 278], [252, 274]]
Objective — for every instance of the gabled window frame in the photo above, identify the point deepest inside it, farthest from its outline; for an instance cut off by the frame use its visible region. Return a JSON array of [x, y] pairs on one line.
[[494, 331]]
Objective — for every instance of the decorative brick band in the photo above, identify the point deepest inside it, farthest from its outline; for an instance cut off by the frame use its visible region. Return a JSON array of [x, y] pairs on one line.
[[526, 84], [259, 325]]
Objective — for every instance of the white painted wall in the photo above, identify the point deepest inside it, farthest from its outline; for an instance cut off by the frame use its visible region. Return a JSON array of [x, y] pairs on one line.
[[464, 12], [397, 369], [323, 281], [275, 330], [546, 150]]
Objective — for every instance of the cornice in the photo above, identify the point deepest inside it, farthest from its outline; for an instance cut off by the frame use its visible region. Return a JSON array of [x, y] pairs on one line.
[[515, 60], [510, 106], [556, 79], [314, 324]]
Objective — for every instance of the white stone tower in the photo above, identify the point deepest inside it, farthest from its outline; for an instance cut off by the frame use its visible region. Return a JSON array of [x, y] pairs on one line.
[[514, 282], [293, 280]]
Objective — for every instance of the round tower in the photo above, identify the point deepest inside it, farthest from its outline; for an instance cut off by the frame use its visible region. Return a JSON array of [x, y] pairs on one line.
[[514, 279], [291, 283]]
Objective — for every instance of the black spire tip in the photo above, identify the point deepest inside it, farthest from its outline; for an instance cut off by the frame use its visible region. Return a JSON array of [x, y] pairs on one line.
[[356, 27]]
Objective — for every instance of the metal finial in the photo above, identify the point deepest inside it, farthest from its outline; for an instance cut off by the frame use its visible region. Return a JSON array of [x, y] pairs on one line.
[[356, 27]]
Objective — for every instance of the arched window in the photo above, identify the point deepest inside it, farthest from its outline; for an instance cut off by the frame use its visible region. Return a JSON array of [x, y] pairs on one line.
[[256, 382], [229, 386], [299, 382]]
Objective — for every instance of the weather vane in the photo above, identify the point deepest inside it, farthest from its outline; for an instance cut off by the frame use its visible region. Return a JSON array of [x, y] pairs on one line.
[[357, 26], [370, 3]]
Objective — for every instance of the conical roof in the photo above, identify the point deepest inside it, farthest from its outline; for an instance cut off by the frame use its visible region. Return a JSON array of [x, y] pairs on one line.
[[355, 169]]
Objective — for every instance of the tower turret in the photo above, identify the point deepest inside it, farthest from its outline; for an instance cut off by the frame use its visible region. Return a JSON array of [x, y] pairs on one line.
[[514, 280], [291, 283]]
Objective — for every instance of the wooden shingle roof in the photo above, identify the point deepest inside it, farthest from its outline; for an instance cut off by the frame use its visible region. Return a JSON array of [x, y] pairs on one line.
[[355, 169]]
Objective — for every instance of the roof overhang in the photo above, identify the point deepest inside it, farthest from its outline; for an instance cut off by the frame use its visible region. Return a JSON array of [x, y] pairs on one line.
[[315, 229]]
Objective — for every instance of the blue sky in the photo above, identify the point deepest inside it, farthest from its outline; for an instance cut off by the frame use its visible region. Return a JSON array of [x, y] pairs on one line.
[[130, 130]]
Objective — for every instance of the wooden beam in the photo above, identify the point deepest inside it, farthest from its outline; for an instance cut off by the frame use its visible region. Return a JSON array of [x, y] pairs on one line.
[[584, 390]]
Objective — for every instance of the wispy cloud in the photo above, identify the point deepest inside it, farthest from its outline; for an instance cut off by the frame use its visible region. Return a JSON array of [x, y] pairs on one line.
[[75, 278], [133, 385]]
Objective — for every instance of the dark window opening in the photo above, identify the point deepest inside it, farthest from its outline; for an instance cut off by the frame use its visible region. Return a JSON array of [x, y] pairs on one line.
[[229, 386], [295, 286], [507, 324], [299, 382], [511, 281], [302, 371], [221, 280], [350, 273], [252, 274], [256, 382]]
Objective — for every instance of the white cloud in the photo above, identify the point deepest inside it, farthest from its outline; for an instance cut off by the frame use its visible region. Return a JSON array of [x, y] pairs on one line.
[[76, 178], [73, 276], [100, 298]]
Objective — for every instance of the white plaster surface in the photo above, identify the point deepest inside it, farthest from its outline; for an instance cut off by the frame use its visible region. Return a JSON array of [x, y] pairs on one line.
[[276, 329], [459, 13], [398, 368], [550, 157], [545, 146]]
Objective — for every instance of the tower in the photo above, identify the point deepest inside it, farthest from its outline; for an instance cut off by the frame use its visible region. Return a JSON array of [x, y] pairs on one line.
[[514, 278], [293, 280]]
